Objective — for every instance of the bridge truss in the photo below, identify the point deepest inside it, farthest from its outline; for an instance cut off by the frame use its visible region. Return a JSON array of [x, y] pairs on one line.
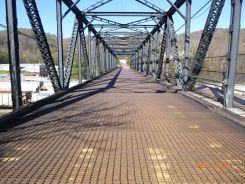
[[149, 42]]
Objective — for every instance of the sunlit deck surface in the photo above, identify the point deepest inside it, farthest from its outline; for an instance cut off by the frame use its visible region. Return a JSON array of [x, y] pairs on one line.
[[123, 128]]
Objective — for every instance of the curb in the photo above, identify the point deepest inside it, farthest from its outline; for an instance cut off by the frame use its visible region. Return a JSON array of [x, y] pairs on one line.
[[218, 108]]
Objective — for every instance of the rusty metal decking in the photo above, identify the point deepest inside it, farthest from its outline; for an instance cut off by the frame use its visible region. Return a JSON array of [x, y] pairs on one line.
[[123, 128]]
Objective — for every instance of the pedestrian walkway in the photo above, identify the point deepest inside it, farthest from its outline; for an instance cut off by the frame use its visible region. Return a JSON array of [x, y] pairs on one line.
[[123, 128]]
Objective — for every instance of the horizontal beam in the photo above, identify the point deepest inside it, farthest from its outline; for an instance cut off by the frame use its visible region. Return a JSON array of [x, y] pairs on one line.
[[140, 14], [122, 26], [123, 33]]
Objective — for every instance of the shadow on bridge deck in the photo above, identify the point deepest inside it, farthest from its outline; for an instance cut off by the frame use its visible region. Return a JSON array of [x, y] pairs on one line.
[[123, 128]]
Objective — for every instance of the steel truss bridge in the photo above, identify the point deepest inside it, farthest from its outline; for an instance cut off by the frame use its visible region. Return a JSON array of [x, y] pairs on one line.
[[120, 125]]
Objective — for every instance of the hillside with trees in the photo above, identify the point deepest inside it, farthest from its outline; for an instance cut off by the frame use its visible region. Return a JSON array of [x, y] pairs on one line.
[[29, 52]]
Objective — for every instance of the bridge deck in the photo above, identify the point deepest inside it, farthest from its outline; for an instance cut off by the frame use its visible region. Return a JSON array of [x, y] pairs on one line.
[[123, 128]]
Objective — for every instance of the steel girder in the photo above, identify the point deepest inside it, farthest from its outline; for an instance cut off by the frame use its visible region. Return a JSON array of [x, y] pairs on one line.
[[143, 14], [37, 27], [233, 48], [150, 5], [142, 60], [79, 59], [84, 47], [177, 63], [13, 52], [123, 26], [70, 54], [167, 60], [122, 33], [96, 5], [162, 51], [60, 42], [148, 57], [207, 34]]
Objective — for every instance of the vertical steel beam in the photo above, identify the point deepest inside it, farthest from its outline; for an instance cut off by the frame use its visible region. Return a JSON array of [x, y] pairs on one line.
[[156, 54], [167, 56], [236, 6], [101, 59], [104, 60], [79, 58], [108, 60], [145, 60], [142, 60], [187, 41], [135, 61], [162, 51], [151, 57], [89, 55], [148, 57], [60, 41], [138, 60], [13, 49], [97, 56]]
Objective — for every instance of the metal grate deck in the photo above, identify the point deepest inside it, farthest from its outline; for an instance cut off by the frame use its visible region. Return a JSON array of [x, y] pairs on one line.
[[123, 128]]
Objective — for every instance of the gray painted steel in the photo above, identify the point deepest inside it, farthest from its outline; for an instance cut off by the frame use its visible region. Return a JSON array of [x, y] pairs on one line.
[[13, 50]]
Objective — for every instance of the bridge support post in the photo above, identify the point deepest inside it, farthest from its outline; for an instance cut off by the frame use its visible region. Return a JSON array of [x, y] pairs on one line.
[[167, 61], [60, 42], [13, 48], [142, 59], [151, 57], [104, 60], [110, 61], [89, 55], [107, 60], [79, 58], [97, 57], [187, 42], [148, 57], [157, 54], [236, 6], [138, 61]]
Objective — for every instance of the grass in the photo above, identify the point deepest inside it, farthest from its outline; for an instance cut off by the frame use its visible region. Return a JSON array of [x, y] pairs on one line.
[[3, 72]]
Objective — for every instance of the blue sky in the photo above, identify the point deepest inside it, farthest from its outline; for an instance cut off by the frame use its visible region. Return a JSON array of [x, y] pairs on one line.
[[48, 15]]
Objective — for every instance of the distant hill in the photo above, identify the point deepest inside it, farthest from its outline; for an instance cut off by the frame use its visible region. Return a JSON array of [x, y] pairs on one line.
[[218, 46], [29, 52], [28, 49]]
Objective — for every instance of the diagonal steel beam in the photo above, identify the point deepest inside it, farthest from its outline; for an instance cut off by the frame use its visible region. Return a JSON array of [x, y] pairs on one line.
[[207, 34], [70, 54], [150, 5], [37, 27], [177, 9], [96, 5], [140, 21]]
